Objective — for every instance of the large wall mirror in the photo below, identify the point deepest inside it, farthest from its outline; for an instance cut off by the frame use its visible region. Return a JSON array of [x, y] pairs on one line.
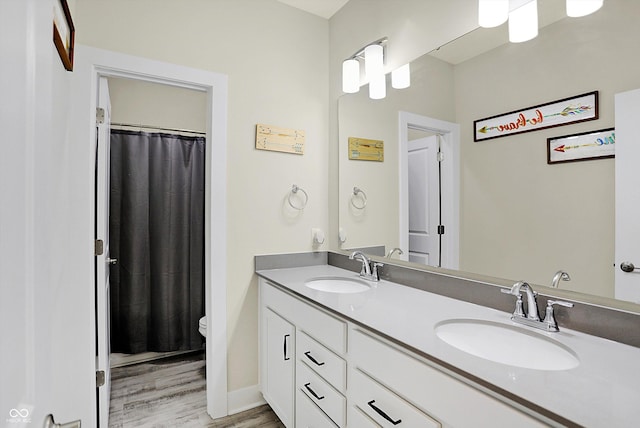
[[519, 217]]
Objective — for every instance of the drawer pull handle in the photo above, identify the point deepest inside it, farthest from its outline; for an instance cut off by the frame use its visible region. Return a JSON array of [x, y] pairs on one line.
[[308, 355], [284, 350], [306, 385], [382, 413]]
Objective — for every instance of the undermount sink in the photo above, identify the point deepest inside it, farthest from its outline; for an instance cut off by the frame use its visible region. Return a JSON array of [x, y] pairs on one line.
[[506, 344], [336, 284]]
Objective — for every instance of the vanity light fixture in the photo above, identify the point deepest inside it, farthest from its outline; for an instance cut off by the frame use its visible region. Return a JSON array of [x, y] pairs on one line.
[[372, 56], [523, 15]]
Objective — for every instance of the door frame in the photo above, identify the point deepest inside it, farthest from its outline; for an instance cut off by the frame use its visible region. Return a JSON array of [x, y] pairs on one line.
[[450, 185], [91, 64]]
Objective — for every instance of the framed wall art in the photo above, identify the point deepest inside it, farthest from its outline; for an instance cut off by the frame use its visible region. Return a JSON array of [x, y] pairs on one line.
[[584, 146], [579, 108], [63, 32]]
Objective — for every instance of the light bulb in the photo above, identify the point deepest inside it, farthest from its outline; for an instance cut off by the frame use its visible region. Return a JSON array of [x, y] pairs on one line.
[[378, 87], [373, 60], [492, 13], [351, 76], [577, 8], [401, 77], [523, 22]]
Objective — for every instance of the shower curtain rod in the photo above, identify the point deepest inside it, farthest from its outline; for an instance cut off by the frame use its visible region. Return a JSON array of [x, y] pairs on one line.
[[158, 128]]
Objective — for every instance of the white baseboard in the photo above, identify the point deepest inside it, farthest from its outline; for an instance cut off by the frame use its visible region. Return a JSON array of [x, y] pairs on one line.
[[244, 399]]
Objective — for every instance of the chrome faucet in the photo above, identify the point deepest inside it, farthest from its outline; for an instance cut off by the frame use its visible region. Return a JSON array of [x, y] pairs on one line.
[[560, 275], [369, 269], [532, 319], [395, 250], [532, 304]]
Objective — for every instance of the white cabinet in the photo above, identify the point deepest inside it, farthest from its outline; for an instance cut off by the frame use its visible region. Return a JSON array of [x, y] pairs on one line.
[[308, 415], [279, 363], [318, 370], [382, 372], [306, 344]]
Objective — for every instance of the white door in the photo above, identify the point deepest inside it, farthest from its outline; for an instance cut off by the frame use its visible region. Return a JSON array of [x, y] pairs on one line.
[[424, 201], [278, 382], [627, 234], [102, 258]]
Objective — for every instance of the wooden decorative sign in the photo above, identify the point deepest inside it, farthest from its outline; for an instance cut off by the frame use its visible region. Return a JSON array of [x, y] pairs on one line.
[[279, 139], [363, 149], [583, 146], [557, 113]]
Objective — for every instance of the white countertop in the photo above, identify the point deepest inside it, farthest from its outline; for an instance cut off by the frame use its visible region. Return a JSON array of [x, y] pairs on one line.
[[603, 391]]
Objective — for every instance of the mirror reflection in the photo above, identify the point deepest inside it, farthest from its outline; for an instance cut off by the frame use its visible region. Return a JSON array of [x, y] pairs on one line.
[[517, 216]]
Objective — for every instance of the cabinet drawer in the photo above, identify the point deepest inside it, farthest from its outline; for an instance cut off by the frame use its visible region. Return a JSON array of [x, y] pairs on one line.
[[357, 419], [385, 407], [323, 327], [428, 388], [321, 393], [308, 415], [321, 360]]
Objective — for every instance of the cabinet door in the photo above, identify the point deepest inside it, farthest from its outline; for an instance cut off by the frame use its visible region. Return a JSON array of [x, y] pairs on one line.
[[278, 386]]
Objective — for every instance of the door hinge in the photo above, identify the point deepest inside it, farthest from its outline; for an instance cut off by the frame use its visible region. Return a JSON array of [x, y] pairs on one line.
[[99, 115], [441, 229], [440, 156], [98, 247], [99, 378]]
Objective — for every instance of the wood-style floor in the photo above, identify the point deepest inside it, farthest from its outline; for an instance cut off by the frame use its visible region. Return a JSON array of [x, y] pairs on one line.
[[172, 393]]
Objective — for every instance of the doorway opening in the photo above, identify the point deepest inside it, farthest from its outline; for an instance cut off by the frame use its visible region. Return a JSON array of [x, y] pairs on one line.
[[156, 220], [91, 67], [429, 190]]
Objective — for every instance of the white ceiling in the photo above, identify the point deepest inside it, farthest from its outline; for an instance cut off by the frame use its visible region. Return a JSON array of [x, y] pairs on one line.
[[323, 8]]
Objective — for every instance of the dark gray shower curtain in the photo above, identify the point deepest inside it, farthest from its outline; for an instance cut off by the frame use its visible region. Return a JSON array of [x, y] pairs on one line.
[[156, 231]]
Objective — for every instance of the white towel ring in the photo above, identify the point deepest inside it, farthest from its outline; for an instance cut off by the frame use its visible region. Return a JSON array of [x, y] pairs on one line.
[[294, 190], [356, 192]]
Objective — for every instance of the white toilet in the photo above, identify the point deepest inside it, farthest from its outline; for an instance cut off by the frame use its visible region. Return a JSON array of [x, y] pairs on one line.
[[202, 326]]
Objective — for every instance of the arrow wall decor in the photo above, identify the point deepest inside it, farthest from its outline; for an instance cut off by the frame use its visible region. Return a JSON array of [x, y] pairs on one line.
[[579, 108], [584, 146]]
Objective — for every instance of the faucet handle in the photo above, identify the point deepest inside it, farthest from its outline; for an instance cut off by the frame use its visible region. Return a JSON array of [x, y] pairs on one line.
[[374, 270], [559, 303], [549, 318], [519, 310]]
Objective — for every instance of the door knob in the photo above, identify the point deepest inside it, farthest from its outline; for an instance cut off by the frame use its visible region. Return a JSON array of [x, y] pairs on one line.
[[628, 267], [112, 261]]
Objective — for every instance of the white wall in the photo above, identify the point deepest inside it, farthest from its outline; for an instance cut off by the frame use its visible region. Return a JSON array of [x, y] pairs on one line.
[[276, 59]]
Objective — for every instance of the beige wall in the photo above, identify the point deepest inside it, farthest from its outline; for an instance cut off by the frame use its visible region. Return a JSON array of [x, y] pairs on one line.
[[136, 102], [522, 218], [430, 94], [413, 27], [276, 58]]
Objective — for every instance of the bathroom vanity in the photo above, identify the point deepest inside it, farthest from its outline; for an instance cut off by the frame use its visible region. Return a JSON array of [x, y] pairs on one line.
[[381, 356]]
